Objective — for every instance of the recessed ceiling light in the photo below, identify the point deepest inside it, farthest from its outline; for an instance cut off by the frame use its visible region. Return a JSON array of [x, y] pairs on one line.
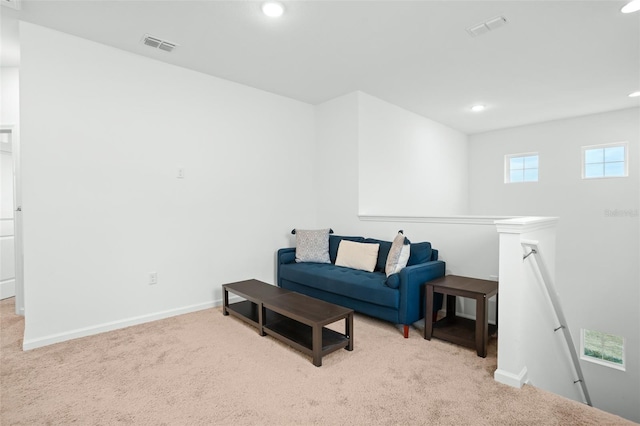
[[634, 94], [273, 9], [632, 6], [478, 108]]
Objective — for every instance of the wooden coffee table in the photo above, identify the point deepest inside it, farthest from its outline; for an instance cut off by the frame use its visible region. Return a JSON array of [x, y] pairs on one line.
[[290, 317]]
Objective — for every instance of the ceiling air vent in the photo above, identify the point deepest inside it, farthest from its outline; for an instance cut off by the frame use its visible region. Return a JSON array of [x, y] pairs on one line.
[[485, 27], [158, 43], [14, 4]]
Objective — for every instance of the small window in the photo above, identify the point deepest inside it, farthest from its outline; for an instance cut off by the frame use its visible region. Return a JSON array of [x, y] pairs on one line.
[[604, 161], [521, 168], [603, 348]]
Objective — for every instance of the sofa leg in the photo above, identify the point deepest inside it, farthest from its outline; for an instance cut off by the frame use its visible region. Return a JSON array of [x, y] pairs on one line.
[[406, 331]]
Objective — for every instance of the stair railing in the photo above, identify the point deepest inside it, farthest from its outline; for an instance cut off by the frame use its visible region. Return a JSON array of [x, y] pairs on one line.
[[552, 295]]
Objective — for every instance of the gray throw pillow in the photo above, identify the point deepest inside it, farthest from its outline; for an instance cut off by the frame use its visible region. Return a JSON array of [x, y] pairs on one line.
[[312, 245]]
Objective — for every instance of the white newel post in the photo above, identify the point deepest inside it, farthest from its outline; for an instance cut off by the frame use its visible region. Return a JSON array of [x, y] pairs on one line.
[[512, 368]]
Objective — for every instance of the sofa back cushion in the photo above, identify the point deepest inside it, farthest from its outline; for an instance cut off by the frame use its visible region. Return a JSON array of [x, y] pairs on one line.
[[334, 243], [420, 253], [383, 252]]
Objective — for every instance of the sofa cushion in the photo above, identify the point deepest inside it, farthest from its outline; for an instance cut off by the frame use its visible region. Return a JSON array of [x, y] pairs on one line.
[[420, 253], [366, 286], [334, 243], [312, 245], [357, 255], [383, 252]]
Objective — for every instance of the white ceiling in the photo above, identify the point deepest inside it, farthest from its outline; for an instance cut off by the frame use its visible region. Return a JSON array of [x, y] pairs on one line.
[[553, 59]]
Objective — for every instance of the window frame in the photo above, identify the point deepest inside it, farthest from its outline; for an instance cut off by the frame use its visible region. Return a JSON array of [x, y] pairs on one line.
[[583, 164], [600, 361], [507, 166]]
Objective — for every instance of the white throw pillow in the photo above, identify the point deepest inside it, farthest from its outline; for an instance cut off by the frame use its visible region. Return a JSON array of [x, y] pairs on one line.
[[398, 255], [312, 245], [357, 255]]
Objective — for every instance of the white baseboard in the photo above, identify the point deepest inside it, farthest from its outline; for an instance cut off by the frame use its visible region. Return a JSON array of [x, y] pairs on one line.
[[115, 325], [7, 289], [513, 380]]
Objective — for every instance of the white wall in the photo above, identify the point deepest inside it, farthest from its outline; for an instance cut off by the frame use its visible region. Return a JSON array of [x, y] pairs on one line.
[[597, 270], [9, 113], [9, 99], [103, 133], [336, 162], [468, 245], [408, 164]]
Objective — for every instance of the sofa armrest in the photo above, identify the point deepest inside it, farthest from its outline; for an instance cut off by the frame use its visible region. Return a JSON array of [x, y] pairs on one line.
[[412, 287], [286, 255]]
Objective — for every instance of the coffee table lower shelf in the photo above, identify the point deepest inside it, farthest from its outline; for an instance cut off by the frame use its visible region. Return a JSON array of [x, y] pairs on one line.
[[247, 311], [299, 335], [292, 332]]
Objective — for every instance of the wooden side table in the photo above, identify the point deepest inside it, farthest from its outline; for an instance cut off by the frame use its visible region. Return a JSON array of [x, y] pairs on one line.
[[462, 331]]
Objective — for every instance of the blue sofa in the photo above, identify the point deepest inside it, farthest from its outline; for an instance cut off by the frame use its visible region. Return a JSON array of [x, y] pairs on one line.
[[398, 298]]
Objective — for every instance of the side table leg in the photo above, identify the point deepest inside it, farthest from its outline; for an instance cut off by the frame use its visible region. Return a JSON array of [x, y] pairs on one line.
[[428, 313], [482, 327], [451, 306], [349, 331], [316, 345], [225, 303], [262, 315]]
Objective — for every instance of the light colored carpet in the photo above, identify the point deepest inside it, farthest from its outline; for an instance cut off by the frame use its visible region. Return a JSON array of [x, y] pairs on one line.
[[205, 368]]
